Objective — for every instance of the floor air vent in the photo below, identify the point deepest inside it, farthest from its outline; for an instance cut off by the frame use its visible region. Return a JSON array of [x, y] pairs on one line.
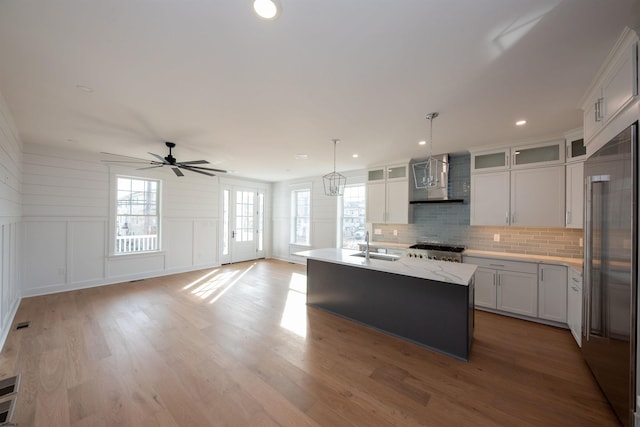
[[23, 325]]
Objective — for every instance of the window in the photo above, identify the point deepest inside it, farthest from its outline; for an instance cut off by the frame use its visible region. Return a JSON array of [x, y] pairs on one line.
[[353, 216], [137, 215], [301, 217]]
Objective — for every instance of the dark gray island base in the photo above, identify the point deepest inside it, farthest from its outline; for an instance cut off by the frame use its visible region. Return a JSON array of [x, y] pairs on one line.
[[434, 314]]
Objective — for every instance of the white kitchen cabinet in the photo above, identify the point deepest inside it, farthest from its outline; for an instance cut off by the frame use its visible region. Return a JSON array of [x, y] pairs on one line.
[[523, 198], [488, 161], [576, 151], [506, 285], [537, 197], [552, 292], [485, 287], [574, 305], [388, 194], [517, 293], [574, 195], [614, 88], [529, 193], [490, 199], [539, 154]]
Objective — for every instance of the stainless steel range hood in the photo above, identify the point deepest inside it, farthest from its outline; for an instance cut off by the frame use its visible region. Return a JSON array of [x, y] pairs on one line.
[[434, 189]]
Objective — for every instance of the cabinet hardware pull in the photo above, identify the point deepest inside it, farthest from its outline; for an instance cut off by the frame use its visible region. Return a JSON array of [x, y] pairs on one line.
[[542, 274], [506, 217], [599, 103], [513, 218], [634, 63], [575, 289], [567, 218]]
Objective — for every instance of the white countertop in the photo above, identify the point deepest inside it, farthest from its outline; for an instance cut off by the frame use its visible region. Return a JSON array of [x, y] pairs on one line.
[[575, 263], [441, 271]]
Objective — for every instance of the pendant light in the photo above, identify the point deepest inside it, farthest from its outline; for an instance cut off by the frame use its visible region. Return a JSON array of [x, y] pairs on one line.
[[334, 182], [429, 174]]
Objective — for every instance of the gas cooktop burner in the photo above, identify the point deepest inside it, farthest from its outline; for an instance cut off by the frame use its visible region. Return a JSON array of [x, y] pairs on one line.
[[436, 251], [437, 247]]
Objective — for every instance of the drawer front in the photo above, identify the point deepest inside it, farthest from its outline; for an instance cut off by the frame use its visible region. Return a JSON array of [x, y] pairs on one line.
[[500, 264]]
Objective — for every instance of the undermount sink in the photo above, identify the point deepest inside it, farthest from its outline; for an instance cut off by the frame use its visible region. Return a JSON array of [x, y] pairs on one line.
[[378, 255]]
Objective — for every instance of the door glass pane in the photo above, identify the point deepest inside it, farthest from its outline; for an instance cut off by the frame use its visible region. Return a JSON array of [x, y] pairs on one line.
[[244, 216], [537, 154], [493, 160], [225, 222], [260, 225]]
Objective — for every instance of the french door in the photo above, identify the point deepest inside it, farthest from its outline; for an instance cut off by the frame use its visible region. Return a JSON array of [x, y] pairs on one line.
[[242, 224]]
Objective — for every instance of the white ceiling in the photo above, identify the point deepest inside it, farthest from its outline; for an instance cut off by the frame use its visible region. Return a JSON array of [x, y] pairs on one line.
[[249, 94]]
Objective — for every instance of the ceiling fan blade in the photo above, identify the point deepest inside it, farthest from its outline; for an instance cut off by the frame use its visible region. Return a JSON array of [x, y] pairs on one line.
[[202, 168], [178, 171], [194, 162], [122, 155], [147, 162], [150, 167], [189, 168], [159, 157]]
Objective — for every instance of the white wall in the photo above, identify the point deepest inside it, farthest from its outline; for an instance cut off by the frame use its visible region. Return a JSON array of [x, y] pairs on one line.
[[10, 219], [67, 201], [324, 215]]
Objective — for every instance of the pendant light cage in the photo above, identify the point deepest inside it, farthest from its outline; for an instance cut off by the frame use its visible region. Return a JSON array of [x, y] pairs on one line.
[[431, 173], [334, 182]]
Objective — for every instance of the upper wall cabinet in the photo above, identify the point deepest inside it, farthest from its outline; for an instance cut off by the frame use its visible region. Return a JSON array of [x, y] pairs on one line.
[[575, 149], [520, 186], [614, 88], [490, 161], [545, 154], [388, 194]]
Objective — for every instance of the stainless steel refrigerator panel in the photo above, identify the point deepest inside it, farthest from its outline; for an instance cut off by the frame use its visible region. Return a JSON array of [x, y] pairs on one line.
[[610, 275]]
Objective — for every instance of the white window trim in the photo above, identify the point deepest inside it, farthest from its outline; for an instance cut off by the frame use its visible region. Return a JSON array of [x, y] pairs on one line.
[[113, 206]]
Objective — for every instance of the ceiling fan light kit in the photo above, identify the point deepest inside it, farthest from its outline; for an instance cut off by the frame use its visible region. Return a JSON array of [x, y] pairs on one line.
[[170, 161], [334, 182]]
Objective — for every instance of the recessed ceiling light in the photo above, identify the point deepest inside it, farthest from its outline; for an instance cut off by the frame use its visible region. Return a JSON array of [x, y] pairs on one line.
[[83, 88], [301, 156], [355, 156], [521, 122], [422, 143], [266, 9]]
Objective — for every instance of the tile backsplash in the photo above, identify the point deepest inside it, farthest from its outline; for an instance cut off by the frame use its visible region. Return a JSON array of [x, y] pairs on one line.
[[449, 223]]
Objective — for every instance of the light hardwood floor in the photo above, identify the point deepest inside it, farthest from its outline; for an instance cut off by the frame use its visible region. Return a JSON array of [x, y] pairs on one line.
[[227, 347]]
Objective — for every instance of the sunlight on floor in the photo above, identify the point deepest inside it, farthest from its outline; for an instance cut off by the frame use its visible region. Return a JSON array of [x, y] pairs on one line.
[[294, 316], [195, 282], [216, 283]]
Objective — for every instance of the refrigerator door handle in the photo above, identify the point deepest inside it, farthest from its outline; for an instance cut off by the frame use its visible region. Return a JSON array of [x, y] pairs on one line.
[[586, 313], [593, 219]]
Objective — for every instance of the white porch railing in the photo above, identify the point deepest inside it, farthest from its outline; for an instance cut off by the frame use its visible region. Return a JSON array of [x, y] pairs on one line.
[[136, 243]]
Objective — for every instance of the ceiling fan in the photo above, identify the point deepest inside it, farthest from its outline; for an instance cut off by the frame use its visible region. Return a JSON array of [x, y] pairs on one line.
[[168, 161]]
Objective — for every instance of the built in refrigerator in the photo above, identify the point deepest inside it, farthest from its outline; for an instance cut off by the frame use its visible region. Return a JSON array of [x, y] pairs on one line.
[[610, 270]]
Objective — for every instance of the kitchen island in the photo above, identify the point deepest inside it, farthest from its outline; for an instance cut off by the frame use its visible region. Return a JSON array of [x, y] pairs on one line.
[[427, 302]]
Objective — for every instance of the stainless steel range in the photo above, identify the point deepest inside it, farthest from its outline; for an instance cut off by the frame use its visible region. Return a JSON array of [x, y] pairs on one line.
[[436, 251]]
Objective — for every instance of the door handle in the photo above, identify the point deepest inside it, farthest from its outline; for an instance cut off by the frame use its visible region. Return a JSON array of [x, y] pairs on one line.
[[233, 234]]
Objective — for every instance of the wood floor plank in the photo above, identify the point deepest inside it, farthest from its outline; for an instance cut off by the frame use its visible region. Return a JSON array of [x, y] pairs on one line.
[[236, 346]]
